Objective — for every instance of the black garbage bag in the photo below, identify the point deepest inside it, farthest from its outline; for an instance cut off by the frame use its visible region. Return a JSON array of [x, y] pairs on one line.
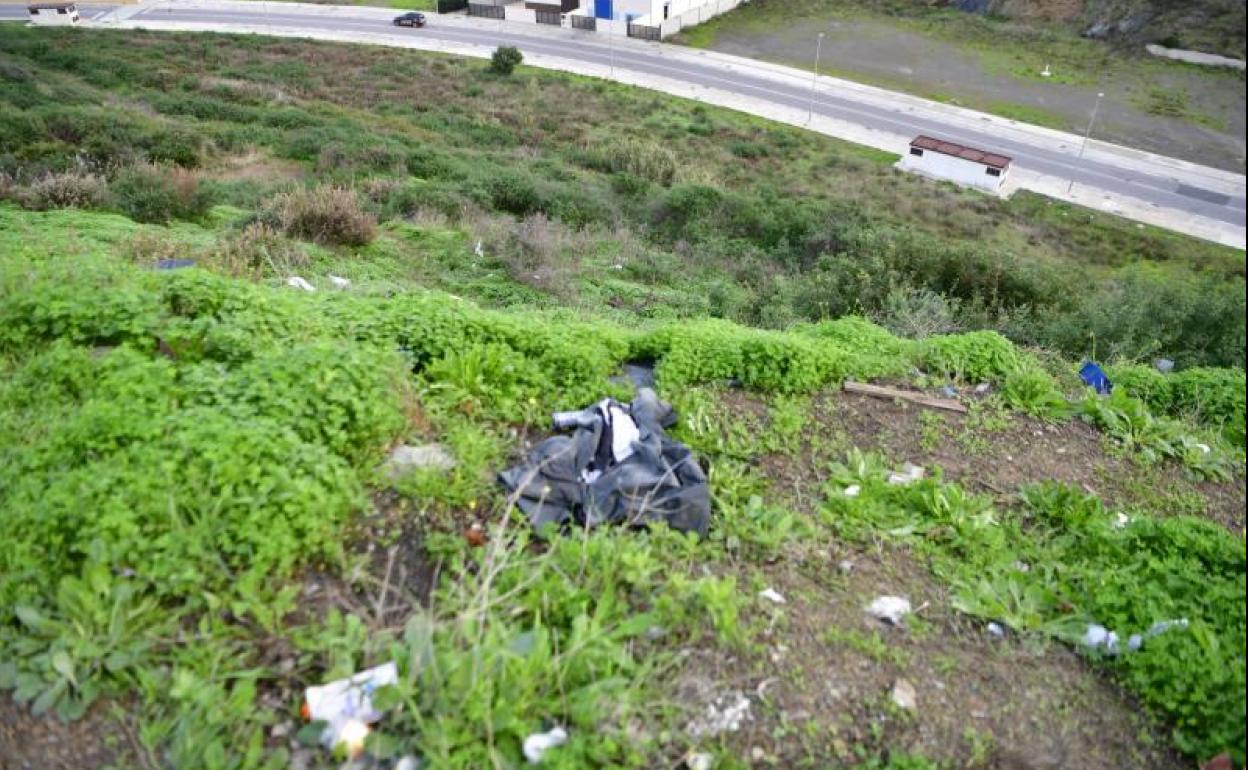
[[616, 467]]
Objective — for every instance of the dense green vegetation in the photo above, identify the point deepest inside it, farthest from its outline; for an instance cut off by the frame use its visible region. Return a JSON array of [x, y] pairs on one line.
[[185, 453], [689, 212]]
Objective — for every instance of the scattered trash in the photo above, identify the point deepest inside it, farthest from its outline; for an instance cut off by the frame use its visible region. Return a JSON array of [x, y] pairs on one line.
[[407, 762], [618, 466], [404, 459], [538, 744], [853, 490], [996, 629], [298, 283], [1046, 72], [922, 399], [909, 474], [890, 609], [904, 695], [1095, 378], [982, 388], [845, 566], [1137, 640], [757, 754], [479, 251], [1121, 520], [1220, 762], [949, 391], [475, 535], [699, 760], [1204, 448], [1099, 637], [1164, 365], [173, 264], [654, 633], [722, 715], [338, 282], [346, 707], [772, 595]]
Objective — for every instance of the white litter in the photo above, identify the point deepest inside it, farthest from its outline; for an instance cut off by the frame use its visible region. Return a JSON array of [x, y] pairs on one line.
[[1121, 520], [1137, 640], [298, 283], [772, 595], [853, 490], [723, 715], [346, 706], [538, 744], [1204, 448], [890, 609], [339, 282], [997, 630], [1098, 637], [910, 473], [479, 250], [699, 761]]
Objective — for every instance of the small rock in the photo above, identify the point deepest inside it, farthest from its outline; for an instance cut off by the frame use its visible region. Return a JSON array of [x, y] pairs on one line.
[[949, 391], [699, 760], [339, 282], [298, 283], [404, 459], [904, 695], [846, 566], [982, 388], [890, 609], [772, 595], [281, 729], [538, 744], [853, 490], [1164, 365]]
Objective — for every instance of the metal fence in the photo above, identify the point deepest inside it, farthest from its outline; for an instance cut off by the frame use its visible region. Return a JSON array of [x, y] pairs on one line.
[[644, 31], [585, 22], [487, 11]]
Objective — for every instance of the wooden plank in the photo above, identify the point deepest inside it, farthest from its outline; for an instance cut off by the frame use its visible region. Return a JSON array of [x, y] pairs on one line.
[[922, 399]]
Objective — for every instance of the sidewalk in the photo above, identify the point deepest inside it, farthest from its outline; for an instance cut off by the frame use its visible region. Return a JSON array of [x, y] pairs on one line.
[[1048, 140]]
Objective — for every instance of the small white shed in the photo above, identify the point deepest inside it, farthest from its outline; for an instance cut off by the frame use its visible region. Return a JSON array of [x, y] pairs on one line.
[[957, 163], [53, 14]]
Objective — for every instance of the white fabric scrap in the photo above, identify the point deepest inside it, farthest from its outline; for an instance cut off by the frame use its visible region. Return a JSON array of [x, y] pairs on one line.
[[910, 473], [538, 744], [338, 282], [772, 595], [298, 283], [890, 609]]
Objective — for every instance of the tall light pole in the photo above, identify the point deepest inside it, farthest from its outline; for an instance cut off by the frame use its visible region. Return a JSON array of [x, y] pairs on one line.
[[810, 113], [611, 40], [1084, 146]]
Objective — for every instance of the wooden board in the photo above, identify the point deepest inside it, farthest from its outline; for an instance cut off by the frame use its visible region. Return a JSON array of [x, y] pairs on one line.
[[922, 399]]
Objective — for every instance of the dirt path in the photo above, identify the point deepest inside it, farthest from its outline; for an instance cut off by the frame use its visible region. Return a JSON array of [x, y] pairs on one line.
[[877, 53]]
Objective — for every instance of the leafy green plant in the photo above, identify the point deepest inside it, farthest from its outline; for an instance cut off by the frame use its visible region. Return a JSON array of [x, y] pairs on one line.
[[1034, 392], [97, 633]]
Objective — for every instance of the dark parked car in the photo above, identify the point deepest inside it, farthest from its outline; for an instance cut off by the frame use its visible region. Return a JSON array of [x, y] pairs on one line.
[[411, 19]]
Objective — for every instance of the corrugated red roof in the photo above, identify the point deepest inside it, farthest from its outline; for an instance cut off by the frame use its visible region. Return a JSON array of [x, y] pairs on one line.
[[993, 159]]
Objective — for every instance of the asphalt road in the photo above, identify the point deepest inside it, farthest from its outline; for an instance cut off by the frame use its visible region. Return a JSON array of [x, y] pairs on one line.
[[1156, 189]]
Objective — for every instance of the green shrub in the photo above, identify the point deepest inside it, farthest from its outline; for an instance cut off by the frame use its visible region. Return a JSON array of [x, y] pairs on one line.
[[973, 357], [514, 192], [325, 214], [1213, 396], [505, 59], [1033, 391], [1145, 383], [158, 194], [639, 158]]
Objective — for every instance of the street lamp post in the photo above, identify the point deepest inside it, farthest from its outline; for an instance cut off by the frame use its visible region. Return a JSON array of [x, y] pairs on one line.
[[1084, 146], [810, 113]]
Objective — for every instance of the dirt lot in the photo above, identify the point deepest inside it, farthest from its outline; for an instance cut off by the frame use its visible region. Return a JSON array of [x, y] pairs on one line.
[[1208, 128]]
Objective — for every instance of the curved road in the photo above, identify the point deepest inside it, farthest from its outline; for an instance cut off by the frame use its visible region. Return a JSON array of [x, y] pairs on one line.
[[1154, 183]]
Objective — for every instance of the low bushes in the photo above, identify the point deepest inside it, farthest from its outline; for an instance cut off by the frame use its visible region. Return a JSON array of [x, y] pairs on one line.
[[158, 194], [65, 190], [325, 214]]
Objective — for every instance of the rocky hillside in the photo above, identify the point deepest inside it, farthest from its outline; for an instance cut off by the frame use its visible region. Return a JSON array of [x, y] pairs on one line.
[[1215, 26]]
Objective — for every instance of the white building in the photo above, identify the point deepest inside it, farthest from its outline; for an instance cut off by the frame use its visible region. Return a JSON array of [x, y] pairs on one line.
[[957, 163], [53, 14]]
